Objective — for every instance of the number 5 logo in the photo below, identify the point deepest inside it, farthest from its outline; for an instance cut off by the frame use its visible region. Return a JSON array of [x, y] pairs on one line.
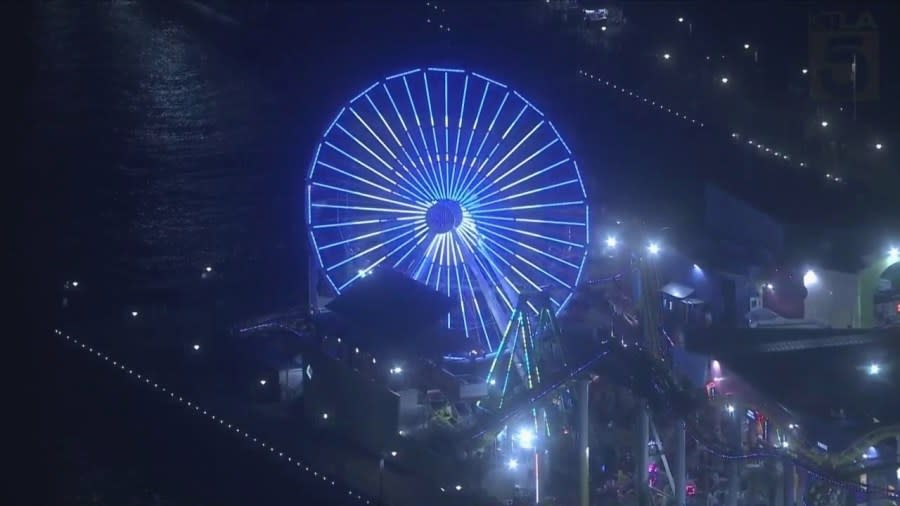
[[842, 49]]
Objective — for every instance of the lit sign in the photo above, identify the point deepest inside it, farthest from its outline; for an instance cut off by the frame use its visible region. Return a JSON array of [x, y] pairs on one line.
[[751, 414]]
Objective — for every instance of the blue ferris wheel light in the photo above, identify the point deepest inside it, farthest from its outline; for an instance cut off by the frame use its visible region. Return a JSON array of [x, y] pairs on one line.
[[460, 183]]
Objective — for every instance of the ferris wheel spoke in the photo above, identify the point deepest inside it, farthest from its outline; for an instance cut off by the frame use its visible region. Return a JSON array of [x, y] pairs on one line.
[[446, 131], [354, 176], [363, 222], [420, 208], [531, 264], [383, 162], [462, 110], [422, 237], [375, 264], [531, 206], [435, 172], [462, 164], [509, 153], [470, 170], [479, 205], [369, 250], [370, 234], [534, 234], [360, 162], [531, 248], [437, 153], [528, 177], [475, 198], [421, 192], [475, 303], [421, 165]]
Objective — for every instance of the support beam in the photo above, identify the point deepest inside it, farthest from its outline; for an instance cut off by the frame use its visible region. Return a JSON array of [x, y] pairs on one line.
[[584, 449], [642, 459], [680, 464], [789, 475]]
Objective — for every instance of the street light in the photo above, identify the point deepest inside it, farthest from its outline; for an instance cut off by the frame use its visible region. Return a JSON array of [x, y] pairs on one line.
[[874, 369], [653, 248], [512, 464], [611, 242], [894, 254], [810, 278], [526, 438]]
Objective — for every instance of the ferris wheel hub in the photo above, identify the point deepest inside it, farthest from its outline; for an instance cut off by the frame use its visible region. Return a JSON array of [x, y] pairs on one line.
[[444, 216]]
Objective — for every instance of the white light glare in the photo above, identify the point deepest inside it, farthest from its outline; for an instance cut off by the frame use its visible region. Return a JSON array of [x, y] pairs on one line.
[[730, 408], [824, 124], [75, 283], [724, 80], [894, 253], [746, 45], [611, 242], [653, 248], [512, 464], [680, 19], [324, 416], [396, 370], [458, 488], [666, 56], [526, 438], [134, 314], [770, 286], [785, 444], [208, 268], [394, 453], [263, 382], [804, 70], [810, 278], [874, 369], [196, 347], [878, 145]]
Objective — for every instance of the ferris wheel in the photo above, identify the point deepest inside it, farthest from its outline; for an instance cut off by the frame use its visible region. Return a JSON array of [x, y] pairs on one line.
[[457, 181]]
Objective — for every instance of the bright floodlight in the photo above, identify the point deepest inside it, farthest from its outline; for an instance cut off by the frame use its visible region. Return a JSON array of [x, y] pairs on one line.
[[526, 438], [611, 242], [730, 408], [458, 488], [196, 347], [134, 314], [512, 464], [874, 369], [746, 45], [878, 145], [208, 268], [724, 80], [324, 416], [680, 19], [824, 124], [666, 56], [75, 283], [804, 70], [894, 253], [770, 286], [394, 453], [262, 382], [396, 370], [653, 248], [603, 28], [810, 278]]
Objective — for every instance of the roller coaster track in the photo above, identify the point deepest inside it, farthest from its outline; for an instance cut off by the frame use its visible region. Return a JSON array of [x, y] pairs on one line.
[[611, 359]]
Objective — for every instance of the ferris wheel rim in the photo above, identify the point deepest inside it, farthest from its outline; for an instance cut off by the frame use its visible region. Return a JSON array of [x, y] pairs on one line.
[[413, 198]]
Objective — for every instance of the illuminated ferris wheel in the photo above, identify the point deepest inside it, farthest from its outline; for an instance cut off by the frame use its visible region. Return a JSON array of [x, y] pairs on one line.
[[457, 181]]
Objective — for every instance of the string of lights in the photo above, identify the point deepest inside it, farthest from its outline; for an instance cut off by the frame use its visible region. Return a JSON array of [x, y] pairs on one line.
[[197, 409], [737, 137]]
